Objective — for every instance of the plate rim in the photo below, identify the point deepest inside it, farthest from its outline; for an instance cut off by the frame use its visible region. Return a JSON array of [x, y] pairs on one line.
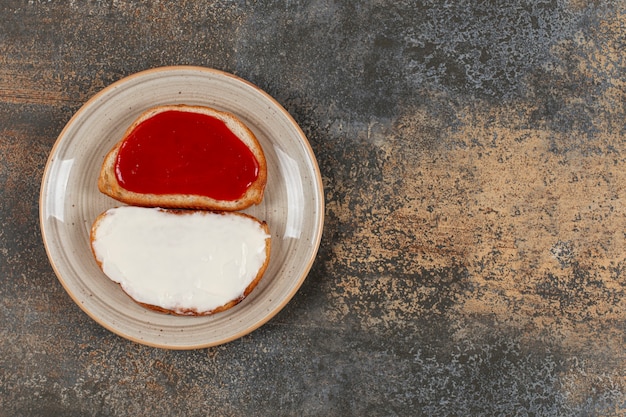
[[319, 191]]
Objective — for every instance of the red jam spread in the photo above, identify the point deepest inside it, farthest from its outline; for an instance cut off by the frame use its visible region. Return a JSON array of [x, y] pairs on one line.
[[179, 152]]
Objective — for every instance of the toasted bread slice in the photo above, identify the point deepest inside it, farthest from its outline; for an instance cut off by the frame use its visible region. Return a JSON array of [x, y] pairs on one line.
[[110, 184], [182, 262]]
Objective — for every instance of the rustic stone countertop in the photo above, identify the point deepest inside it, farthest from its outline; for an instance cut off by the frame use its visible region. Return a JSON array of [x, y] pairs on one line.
[[473, 260]]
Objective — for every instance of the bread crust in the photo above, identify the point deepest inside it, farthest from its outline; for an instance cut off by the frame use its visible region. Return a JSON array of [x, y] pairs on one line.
[[190, 312], [108, 184]]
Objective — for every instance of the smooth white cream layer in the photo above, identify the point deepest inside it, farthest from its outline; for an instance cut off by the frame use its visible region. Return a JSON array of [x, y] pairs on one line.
[[193, 261]]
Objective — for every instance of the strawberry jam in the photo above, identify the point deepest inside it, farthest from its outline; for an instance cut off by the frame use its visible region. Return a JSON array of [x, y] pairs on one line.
[[179, 152]]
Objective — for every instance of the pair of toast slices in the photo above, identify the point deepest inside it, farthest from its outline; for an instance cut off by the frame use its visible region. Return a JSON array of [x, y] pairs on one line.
[[179, 245]]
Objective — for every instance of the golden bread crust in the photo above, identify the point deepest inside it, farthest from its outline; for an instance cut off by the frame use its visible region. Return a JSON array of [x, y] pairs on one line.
[[108, 184], [189, 312]]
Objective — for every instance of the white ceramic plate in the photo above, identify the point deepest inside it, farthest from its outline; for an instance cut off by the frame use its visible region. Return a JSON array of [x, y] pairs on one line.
[[70, 201]]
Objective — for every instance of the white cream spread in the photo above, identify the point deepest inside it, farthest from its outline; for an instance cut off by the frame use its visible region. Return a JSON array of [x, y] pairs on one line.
[[192, 261]]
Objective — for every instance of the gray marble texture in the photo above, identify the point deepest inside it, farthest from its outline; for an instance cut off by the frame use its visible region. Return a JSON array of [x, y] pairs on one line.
[[474, 163]]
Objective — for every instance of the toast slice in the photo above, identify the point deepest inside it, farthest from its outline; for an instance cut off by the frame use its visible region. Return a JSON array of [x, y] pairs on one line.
[[182, 262], [159, 189]]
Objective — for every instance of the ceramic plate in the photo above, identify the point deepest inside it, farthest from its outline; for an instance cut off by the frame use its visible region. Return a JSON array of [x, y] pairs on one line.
[[70, 201]]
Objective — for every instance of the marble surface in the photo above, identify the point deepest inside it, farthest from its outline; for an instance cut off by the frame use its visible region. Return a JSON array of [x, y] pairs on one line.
[[474, 165]]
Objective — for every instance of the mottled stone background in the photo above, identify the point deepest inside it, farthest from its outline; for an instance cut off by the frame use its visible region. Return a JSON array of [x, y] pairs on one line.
[[474, 162]]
